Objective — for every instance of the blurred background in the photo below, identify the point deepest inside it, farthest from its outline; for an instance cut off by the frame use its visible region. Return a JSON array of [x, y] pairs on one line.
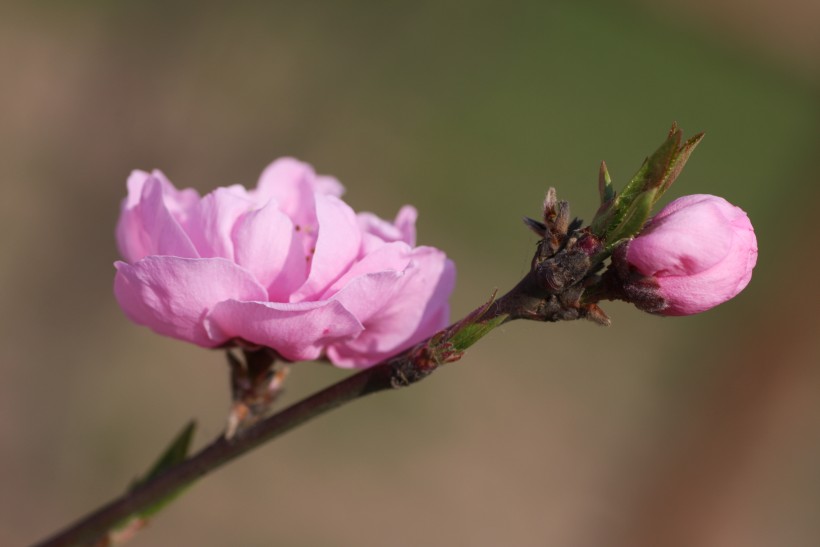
[[700, 431]]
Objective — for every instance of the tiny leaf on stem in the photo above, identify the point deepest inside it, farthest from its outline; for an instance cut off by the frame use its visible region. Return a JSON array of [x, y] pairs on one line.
[[605, 188], [623, 215], [175, 453], [635, 216]]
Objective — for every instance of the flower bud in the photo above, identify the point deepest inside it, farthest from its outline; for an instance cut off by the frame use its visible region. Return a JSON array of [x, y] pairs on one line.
[[697, 252]]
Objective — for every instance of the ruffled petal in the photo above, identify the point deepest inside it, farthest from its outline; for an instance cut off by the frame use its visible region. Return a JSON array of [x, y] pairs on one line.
[[159, 232], [268, 245], [389, 257], [292, 184], [405, 222], [330, 186], [337, 246], [172, 295], [401, 229], [212, 221], [178, 202], [152, 198], [398, 308], [299, 332], [132, 240]]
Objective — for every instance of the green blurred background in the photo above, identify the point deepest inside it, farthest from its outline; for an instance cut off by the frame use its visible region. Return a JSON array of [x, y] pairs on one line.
[[654, 432]]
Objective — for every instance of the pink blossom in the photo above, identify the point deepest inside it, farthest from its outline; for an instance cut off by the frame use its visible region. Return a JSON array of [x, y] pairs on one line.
[[287, 265], [699, 249]]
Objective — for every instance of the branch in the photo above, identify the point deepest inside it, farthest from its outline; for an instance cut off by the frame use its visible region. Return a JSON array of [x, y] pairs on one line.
[[551, 291], [402, 370]]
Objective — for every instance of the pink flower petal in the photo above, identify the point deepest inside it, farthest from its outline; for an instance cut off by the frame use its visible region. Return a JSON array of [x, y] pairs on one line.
[[682, 243], [268, 245], [160, 232], [299, 332], [292, 184], [329, 186], [337, 246], [178, 202], [401, 229], [405, 222], [172, 295], [690, 294], [212, 221], [388, 257], [132, 241], [152, 200], [398, 309]]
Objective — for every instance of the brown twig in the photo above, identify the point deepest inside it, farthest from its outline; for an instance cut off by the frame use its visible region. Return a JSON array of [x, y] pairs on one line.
[[402, 370]]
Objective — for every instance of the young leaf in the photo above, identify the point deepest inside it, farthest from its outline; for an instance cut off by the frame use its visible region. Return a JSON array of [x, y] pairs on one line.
[[635, 217], [605, 189], [176, 452], [625, 216], [678, 162]]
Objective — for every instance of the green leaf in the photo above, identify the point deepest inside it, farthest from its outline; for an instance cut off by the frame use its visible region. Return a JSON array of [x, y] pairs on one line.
[[471, 333], [605, 188], [635, 217], [176, 452], [624, 217], [654, 168], [678, 162], [603, 217], [470, 329]]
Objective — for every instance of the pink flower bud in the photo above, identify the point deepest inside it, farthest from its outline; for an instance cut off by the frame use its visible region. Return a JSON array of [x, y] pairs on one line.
[[287, 265], [699, 249]]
